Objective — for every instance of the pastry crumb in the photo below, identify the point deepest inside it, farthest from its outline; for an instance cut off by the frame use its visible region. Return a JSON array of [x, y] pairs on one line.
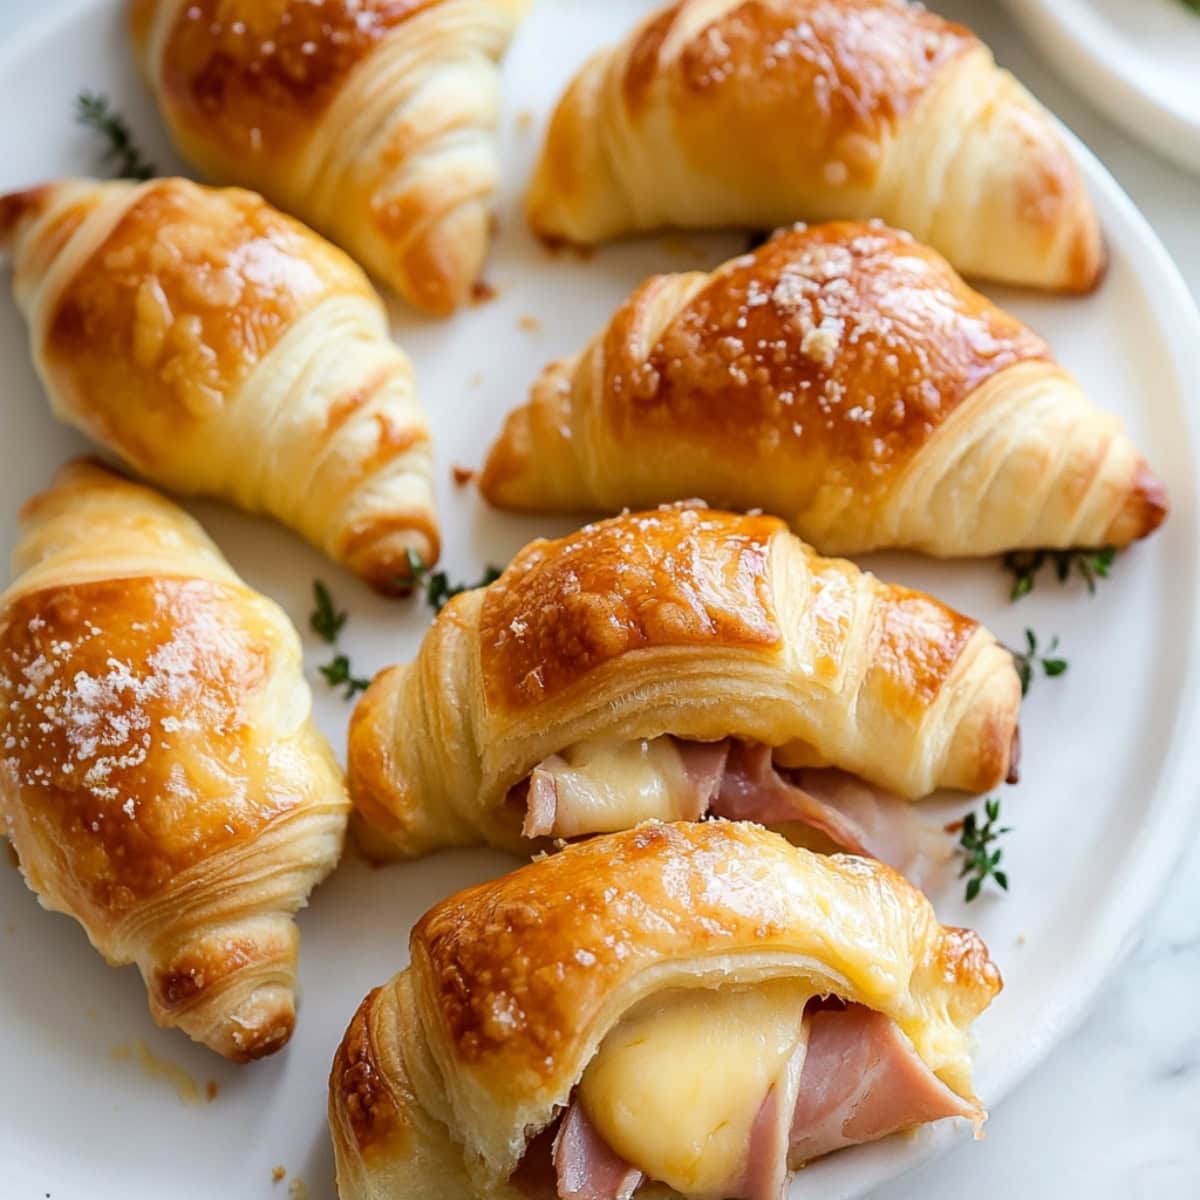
[[482, 292], [211, 1090], [1020, 939], [529, 324], [476, 379], [554, 247], [462, 475], [525, 120], [278, 1174], [297, 1189]]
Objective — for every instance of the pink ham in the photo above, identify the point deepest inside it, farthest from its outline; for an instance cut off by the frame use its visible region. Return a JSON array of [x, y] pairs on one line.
[[704, 766], [863, 1080], [541, 798], [586, 1166], [854, 815]]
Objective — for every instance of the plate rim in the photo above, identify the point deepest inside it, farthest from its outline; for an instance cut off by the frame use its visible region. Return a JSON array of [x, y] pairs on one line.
[[1073, 39], [1139, 887]]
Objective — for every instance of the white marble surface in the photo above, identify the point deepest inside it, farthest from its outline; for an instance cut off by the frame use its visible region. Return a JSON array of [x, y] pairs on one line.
[[1114, 1112]]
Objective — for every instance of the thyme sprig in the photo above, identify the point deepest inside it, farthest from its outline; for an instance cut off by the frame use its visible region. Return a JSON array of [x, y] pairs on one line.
[[1091, 565], [327, 622], [1034, 657], [338, 672], [96, 113], [981, 856], [436, 585]]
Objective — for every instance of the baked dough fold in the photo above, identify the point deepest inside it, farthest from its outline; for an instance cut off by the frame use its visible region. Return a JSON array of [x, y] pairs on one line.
[[221, 348]]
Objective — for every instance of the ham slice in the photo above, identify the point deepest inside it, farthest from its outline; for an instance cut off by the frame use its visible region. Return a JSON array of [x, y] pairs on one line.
[[863, 1080], [586, 1166], [854, 815], [704, 765], [541, 798]]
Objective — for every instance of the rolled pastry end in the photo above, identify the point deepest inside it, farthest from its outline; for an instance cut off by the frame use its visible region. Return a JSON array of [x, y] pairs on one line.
[[574, 197], [378, 551], [231, 988], [362, 1110], [438, 270], [503, 482], [985, 747], [1145, 508], [19, 208], [517, 475], [391, 820]]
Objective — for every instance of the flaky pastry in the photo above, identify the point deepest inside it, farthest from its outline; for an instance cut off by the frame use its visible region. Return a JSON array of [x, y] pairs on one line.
[[678, 1010], [223, 349], [161, 778]]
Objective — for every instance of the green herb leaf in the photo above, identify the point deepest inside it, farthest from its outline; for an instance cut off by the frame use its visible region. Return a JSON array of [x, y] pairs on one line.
[[1026, 663], [436, 584], [981, 855], [94, 111], [1089, 565], [326, 620], [337, 672]]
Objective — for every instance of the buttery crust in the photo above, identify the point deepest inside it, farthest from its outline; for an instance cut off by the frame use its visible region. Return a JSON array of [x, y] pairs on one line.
[[374, 121], [685, 621], [168, 318], [161, 778], [844, 377], [448, 1071], [762, 112]]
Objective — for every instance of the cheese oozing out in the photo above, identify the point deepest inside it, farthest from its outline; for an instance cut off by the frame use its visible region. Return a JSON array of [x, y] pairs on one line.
[[675, 1088], [607, 785]]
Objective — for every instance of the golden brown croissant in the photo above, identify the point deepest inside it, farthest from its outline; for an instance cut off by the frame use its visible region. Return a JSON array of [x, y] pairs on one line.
[[696, 1008], [843, 377], [160, 774], [221, 348], [763, 112], [673, 664], [374, 121]]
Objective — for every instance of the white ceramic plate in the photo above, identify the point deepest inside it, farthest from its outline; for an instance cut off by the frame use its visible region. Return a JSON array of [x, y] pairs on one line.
[[1138, 61], [1099, 817]]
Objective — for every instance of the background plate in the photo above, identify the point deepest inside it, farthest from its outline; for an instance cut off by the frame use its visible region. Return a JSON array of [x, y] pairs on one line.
[[1100, 817], [1139, 63]]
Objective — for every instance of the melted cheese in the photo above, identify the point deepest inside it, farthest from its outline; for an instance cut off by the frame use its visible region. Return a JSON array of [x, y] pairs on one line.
[[605, 786], [675, 1088]]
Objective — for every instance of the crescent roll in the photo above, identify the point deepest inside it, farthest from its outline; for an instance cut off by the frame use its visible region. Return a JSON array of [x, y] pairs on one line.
[[672, 665], [679, 1010], [373, 120], [161, 778], [758, 113], [220, 348], [845, 378]]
